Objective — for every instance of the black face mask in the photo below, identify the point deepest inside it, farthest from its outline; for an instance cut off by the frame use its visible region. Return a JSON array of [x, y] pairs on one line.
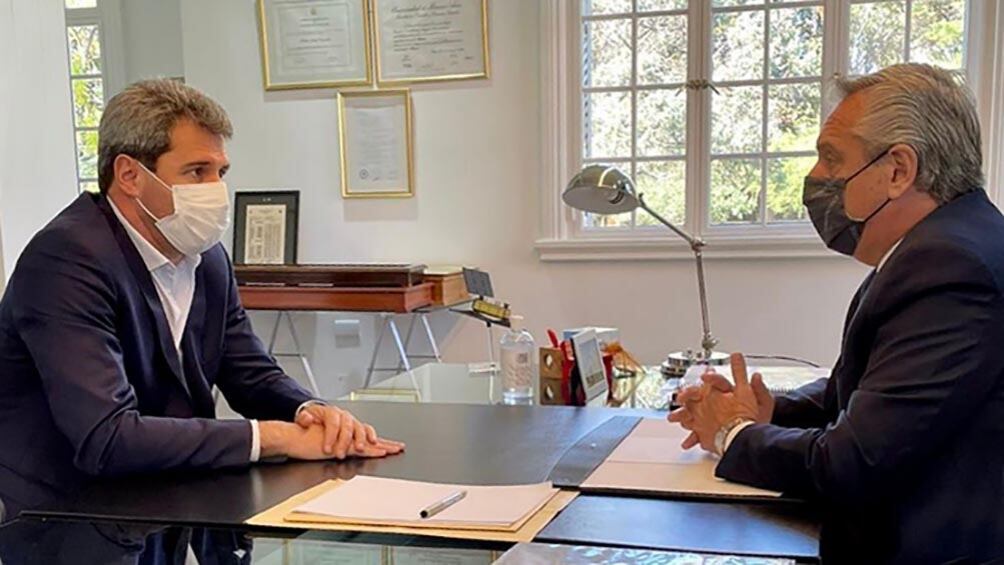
[[824, 200]]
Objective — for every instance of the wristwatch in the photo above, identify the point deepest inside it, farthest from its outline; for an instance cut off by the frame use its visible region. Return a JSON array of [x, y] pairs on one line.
[[724, 431]]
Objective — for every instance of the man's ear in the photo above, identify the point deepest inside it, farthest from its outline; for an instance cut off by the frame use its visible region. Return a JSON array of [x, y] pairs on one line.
[[904, 169], [126, 175]]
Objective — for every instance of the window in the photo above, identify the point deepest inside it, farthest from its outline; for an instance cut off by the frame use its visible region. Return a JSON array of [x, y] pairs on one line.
[[714, 106], [87, 86]]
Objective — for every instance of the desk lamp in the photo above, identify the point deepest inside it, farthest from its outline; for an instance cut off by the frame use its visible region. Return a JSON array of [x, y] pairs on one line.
[[602, 189]]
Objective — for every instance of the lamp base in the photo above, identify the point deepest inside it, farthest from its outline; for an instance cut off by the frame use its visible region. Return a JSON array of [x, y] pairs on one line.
[[677, 363]]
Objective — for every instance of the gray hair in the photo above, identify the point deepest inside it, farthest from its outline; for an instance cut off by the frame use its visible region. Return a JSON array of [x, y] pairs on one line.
[[930, 110], [137, 122]]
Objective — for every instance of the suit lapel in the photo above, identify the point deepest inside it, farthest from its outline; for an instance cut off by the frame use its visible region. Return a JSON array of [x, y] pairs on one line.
[[857, 341], [145, 281], [191, 345]]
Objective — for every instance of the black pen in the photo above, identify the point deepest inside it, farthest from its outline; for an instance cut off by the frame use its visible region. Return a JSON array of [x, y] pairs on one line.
[[437, 507]]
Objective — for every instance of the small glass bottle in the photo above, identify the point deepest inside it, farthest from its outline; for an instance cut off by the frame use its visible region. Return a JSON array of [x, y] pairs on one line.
[[517, 359]]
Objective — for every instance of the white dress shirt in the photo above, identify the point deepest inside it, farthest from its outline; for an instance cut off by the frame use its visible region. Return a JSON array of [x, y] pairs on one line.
[[740, 427], [175, 284]]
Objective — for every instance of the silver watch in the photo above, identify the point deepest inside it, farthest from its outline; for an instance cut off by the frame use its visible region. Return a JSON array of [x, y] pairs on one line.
[[724, 431]]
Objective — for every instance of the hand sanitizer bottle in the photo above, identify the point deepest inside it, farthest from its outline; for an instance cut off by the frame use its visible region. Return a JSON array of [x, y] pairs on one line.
[[518, 353]]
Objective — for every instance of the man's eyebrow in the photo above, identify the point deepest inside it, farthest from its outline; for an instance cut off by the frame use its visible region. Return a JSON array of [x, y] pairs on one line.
[[196, 164]]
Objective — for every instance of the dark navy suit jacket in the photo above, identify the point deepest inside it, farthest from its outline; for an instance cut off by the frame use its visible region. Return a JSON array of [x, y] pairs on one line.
[[904, 443], [90, 381]]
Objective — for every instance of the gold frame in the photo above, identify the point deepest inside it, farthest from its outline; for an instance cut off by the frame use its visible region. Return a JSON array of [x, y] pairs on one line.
[[263, 43], [409, 141], [486, 53]]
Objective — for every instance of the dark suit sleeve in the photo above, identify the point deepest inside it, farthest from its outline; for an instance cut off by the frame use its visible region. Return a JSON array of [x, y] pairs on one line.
[[249, 378], [936, 356], [804, 407], [64, 311]]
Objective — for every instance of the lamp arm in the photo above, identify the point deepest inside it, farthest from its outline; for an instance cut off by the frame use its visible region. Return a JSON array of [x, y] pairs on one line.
[[695, 243], [708, 342]]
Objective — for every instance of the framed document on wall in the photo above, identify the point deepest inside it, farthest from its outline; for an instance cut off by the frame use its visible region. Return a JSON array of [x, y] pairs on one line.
[[265, 227], [375, 138], [422, 41], [314, 43]]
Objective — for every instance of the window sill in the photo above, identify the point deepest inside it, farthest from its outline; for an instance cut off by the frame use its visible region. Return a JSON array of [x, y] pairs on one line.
[[664, 248]]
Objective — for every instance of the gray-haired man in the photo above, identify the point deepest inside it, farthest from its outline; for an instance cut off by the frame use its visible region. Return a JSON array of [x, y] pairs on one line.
[[902, 443]]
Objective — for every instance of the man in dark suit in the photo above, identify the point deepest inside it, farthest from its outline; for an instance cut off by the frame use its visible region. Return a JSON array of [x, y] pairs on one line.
[[902, 444], [122, 313]]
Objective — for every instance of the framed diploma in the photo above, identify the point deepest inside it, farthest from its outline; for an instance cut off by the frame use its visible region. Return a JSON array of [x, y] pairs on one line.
[[314, 43], [265, 227], [375, 137], [430, 40]]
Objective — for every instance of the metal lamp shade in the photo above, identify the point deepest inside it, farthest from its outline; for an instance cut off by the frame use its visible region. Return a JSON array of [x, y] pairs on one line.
[[601, 189]]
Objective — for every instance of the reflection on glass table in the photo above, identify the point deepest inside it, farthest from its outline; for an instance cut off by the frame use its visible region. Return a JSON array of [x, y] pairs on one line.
[[459, 383], [31, 542]]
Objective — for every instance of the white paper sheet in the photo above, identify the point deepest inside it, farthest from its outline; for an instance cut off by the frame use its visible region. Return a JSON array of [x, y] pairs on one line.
[[650, 459], [392, 501]]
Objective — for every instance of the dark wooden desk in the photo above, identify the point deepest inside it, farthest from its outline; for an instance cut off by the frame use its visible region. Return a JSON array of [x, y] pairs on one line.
[[461, 444]]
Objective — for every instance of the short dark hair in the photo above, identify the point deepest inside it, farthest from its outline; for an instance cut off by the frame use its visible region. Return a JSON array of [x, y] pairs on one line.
[[138, 122]]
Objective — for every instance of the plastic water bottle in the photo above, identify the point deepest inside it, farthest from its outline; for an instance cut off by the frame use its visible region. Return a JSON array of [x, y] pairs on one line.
[[517, 352]]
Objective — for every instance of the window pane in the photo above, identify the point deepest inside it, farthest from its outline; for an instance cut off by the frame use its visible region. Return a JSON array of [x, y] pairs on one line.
[[877, 34], [738, 39], [592, 221], [796, 42], [937, 32], [662, 50], [793, 117], [736, 120], [719, 3], [85, 49], [88, 101], [606, 53], [784, 188], [87, 154], [605, 7], [735, 187], [658, 5], [89, 186], [607, 124], [663, 185], [74, 4], [662, 122]]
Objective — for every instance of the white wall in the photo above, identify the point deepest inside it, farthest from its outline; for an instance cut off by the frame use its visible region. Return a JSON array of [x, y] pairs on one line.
[[477, 165], [37, 162], [151, 32]]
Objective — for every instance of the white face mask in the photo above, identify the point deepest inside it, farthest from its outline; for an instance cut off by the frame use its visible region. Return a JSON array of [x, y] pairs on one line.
[[201, 215]]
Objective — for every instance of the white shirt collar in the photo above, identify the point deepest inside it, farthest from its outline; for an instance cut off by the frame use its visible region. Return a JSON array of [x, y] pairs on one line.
[[887, 255], [152, 258]]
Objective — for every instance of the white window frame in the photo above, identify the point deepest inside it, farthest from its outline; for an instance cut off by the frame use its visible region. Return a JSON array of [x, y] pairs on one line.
[[561, 237], [106, 16]]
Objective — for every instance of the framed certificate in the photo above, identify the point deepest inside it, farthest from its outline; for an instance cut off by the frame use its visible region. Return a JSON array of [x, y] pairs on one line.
[[265, 227], [314, 43], [375, 138], [422, 41]]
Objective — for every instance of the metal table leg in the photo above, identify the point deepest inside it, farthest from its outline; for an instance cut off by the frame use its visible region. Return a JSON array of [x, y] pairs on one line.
[[297, 352]]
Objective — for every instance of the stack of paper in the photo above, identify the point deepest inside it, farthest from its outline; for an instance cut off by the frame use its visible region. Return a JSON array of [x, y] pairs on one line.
[[650, 459], [393, 502]]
